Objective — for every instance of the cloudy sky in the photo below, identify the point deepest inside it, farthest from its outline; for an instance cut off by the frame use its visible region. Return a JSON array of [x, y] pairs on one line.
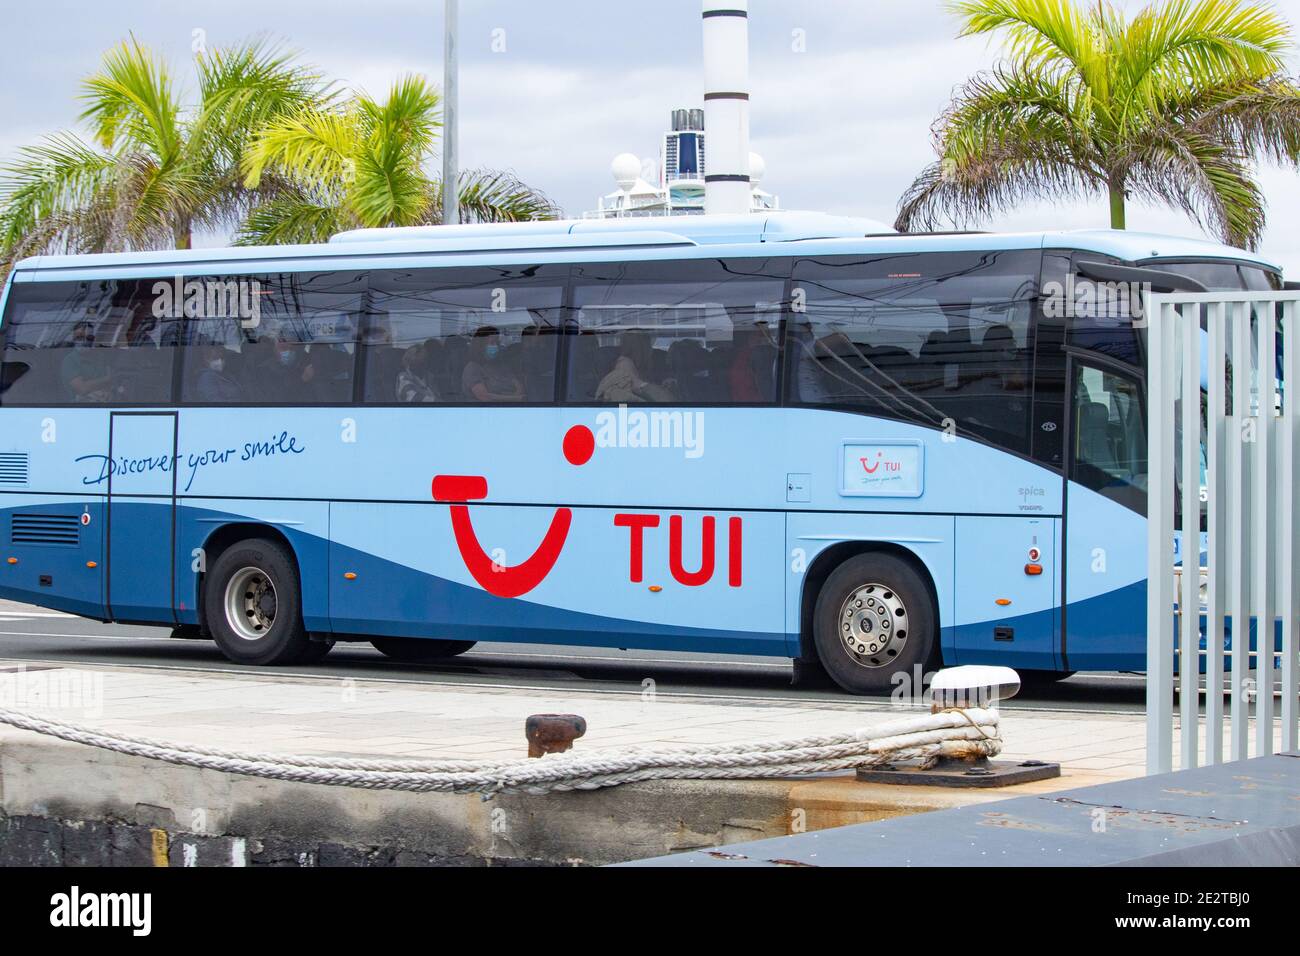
[[842, 118]]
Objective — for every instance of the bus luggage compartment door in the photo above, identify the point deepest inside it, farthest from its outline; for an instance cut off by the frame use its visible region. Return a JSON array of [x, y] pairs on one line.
[[1008, 592], [141, 516]]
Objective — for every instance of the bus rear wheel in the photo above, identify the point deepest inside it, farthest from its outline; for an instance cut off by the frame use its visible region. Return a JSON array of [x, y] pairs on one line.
[[874, 619], [417, 650], [253, 606]]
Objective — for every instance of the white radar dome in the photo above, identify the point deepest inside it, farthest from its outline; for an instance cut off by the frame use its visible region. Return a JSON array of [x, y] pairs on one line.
[[626, 169]]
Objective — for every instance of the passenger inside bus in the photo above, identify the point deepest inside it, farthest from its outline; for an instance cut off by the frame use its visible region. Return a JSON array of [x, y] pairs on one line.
[[413, 381], [752, 375], [214, 384], [632, 379], [487, 377], [85, 369]]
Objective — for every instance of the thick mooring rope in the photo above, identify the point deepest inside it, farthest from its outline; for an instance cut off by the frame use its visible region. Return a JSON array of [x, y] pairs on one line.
[[927, 738]]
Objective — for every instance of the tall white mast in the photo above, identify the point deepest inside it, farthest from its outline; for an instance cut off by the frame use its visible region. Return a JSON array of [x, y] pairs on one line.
[[727, 186], [451, 118]]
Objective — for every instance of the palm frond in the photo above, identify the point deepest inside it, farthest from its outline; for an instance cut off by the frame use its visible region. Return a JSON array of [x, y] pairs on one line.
[[1011, 134], [1175, 104], [46, 183], [494, 196], [292, 220], [998, 111], [270, 149], [408, 118], [938, 198], [390, 186], [243, 88], [1181, 46], [1253, 119], [1208, 181], [311, 145], [132, 99], [1054, 35]]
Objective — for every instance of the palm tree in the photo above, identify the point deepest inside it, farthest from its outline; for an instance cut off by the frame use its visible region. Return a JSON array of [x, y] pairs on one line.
[[155, 171], [363, 164], [1175, 105]]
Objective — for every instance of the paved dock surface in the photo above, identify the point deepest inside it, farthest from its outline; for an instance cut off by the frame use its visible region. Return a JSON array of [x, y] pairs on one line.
[[139, 681], [358, 701], [1239, 814]]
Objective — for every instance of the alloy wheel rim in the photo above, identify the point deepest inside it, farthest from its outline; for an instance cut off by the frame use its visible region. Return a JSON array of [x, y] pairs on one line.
[[873, 623], [251, 604]]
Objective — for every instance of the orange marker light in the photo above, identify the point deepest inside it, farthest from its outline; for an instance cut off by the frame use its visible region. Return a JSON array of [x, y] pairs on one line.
[[1003, 602], [1033, 570], [92, 564], [656, 589], [350, 576], [13, 560]]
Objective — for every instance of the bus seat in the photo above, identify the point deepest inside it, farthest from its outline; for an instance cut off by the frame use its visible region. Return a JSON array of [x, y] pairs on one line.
[[688, 366], [585, 368], [1094, 444], [449, 378]]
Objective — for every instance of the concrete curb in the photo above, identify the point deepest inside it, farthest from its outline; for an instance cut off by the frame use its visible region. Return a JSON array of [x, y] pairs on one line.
[[64, 803]]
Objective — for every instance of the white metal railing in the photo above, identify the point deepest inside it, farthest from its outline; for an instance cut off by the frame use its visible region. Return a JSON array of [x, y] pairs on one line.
[[1251, 439]]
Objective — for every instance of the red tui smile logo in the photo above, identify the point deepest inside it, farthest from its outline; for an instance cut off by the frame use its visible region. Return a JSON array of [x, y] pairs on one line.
[[579, 447], [881, 461]]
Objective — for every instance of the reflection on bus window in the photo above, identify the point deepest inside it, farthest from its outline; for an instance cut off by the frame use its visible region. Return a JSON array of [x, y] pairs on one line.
[[1110, 439], [297, 346], [463, 336], [939, 339], [74, 343], [681, 332]]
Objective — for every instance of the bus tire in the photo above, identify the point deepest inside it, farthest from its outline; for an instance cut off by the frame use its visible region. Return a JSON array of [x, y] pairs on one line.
[[253, 606], [418, 650], [875, 618]]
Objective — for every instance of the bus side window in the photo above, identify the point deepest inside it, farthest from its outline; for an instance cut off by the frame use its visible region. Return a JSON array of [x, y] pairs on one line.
[[1110, 439], [461, 336], [279, 338], [38, 330], [700, 332], [939, 339], [87, 343]]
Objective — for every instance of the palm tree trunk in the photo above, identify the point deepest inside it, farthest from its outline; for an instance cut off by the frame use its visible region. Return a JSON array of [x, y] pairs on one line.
[[1117, 217], [184, 233]]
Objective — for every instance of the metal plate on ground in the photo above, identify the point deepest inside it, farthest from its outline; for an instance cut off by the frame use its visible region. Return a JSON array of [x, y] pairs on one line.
[[987, 774]]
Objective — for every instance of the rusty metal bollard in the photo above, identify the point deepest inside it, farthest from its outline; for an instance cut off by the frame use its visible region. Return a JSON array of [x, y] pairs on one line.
[[553, 733]]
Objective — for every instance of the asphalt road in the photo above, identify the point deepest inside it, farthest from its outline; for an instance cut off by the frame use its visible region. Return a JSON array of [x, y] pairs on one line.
[[38, 636]]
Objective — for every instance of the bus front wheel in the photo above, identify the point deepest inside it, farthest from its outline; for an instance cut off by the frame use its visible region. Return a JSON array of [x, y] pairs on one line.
[[874, 619], [417, 650], [253, 606]]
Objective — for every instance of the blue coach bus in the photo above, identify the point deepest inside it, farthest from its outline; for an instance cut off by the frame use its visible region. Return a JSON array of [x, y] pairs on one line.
[[795, 436]]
